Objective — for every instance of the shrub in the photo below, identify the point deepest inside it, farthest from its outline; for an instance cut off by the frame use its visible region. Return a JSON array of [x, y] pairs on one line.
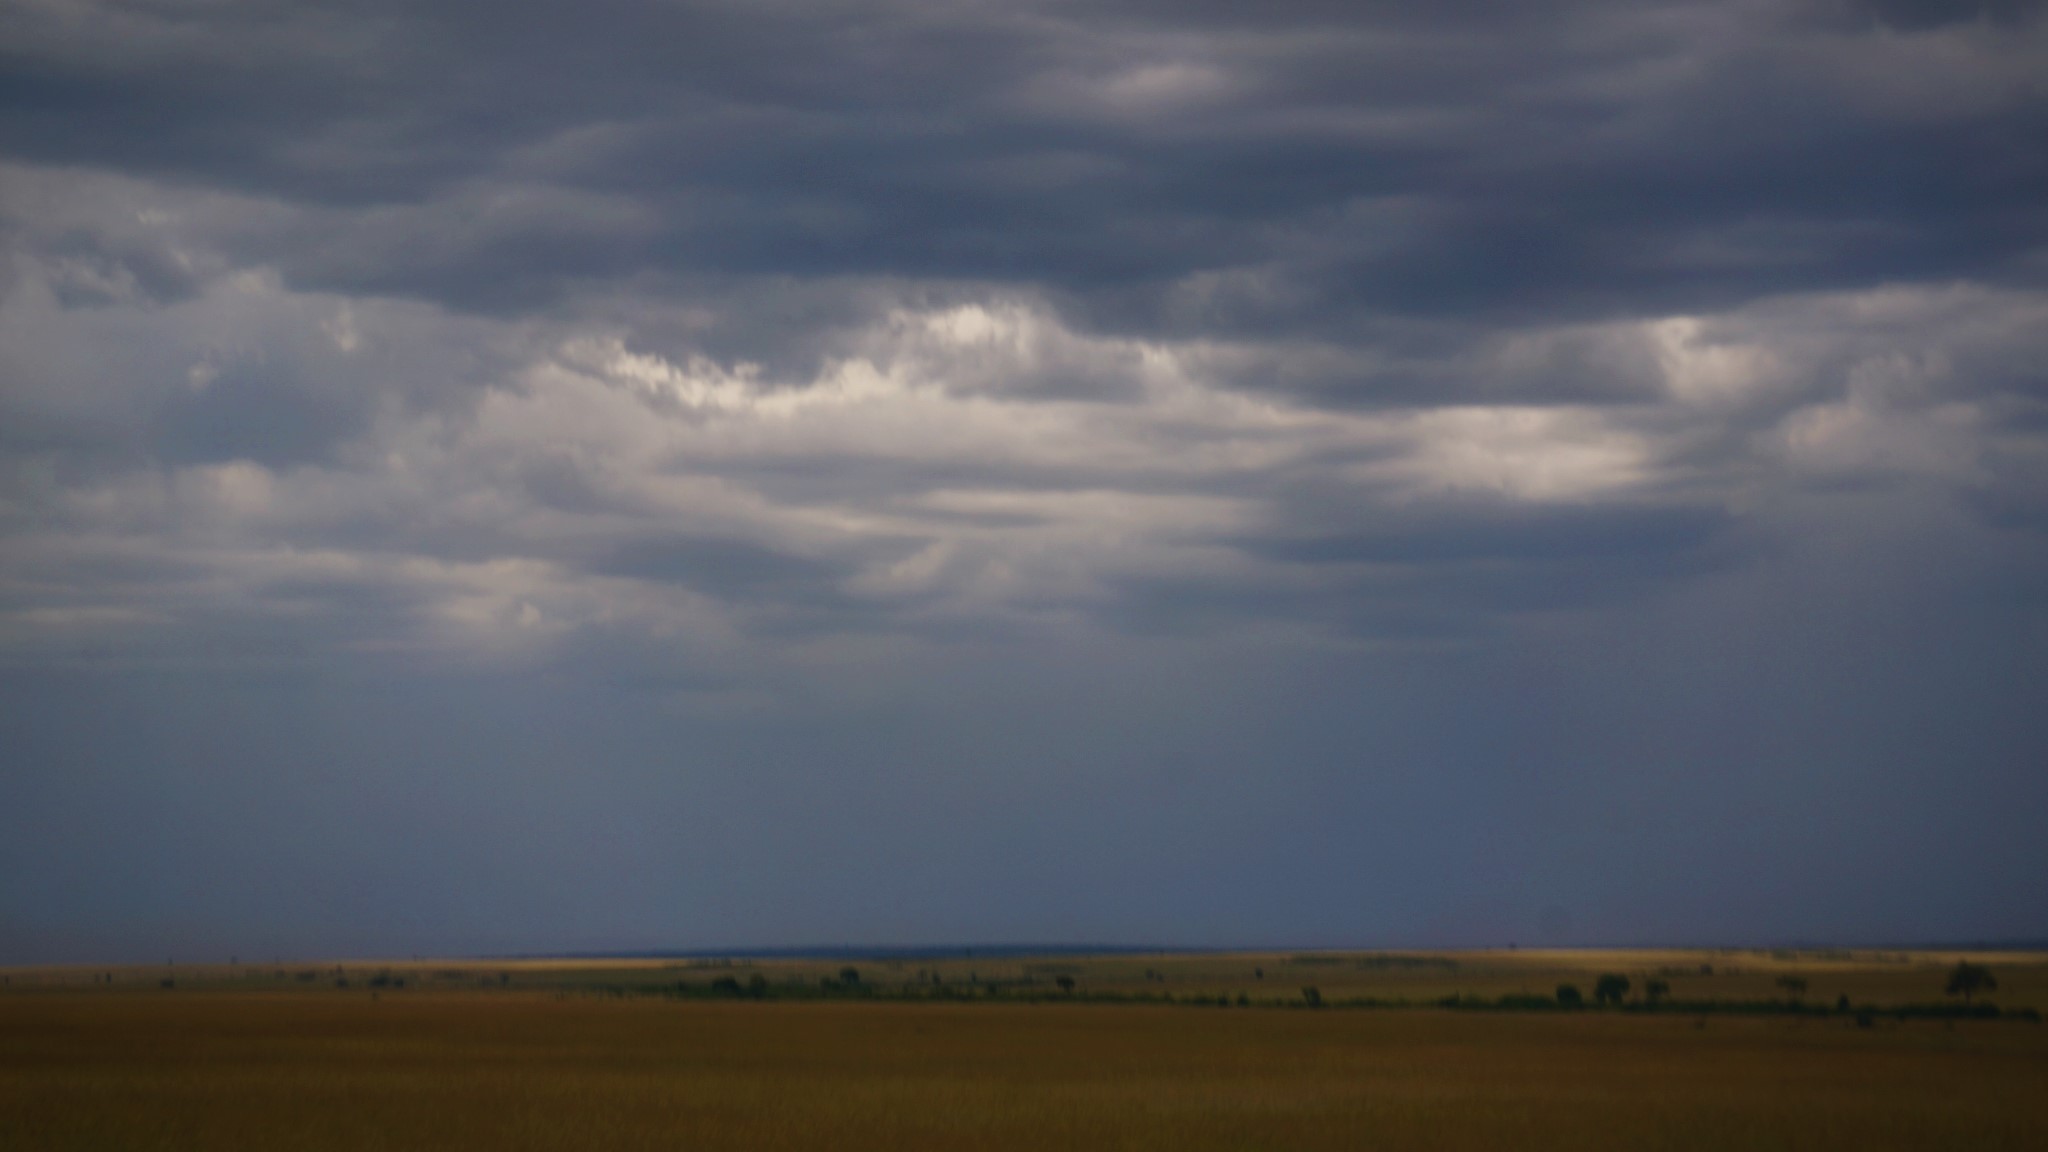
[[1568, 996], [1611, 988], [1967, 979]]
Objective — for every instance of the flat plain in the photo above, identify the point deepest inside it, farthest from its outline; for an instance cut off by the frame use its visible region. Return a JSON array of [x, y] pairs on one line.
[[607, 1054]]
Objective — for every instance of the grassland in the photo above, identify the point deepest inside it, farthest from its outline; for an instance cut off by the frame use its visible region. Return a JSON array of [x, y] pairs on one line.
[[546, 1055], [1725, 978]]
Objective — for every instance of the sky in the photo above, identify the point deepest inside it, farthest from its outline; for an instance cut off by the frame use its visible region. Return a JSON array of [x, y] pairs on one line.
[[517, 477]]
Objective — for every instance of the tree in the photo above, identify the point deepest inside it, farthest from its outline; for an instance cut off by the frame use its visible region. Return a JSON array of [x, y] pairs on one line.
[[1794, 986], [1313, 995], [1066, 983], [1568, 996], [1655, 990], [1967, 979], [1611, 988], [849, 975]]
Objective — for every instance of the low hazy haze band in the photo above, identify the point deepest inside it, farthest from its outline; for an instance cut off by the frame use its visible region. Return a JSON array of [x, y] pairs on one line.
[[534, 477]]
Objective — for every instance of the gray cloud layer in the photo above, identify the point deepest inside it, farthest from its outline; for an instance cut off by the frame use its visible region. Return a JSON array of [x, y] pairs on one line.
[[1505, 458]]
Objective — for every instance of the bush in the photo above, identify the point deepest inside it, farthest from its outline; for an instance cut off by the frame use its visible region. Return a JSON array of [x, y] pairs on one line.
[[1967, 979], [1568, 996], [1611, 988]]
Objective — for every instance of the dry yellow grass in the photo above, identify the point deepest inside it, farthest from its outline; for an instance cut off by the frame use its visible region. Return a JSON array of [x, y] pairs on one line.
[[324, 1069]]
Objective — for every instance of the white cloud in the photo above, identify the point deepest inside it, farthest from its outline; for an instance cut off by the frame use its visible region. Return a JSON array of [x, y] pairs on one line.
[[1120, 90], [1862, 436], [1701, 370], [341, 328], [502, 484], [1530, 454]]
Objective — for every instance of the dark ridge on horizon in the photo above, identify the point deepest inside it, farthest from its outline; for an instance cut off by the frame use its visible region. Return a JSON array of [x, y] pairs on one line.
[[885, 952], [963, 951]]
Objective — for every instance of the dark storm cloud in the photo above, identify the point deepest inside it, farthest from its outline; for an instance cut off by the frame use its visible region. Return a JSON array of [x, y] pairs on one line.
[[734, 569], [1356, 206], [1923, 14], [1489, 533], [1604, 159], [253, 415]]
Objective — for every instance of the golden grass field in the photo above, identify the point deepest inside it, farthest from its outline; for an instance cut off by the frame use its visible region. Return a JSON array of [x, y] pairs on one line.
[[528, 1056]]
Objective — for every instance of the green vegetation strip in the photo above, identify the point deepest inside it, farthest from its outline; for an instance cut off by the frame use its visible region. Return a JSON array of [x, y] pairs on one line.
[[760, 988]]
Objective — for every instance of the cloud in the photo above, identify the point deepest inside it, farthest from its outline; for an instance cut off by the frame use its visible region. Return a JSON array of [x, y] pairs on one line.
[[1040, 392], [1603, 158], [982, 461]]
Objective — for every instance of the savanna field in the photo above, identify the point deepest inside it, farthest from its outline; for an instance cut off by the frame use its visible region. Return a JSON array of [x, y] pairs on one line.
[[1027, 1052]]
